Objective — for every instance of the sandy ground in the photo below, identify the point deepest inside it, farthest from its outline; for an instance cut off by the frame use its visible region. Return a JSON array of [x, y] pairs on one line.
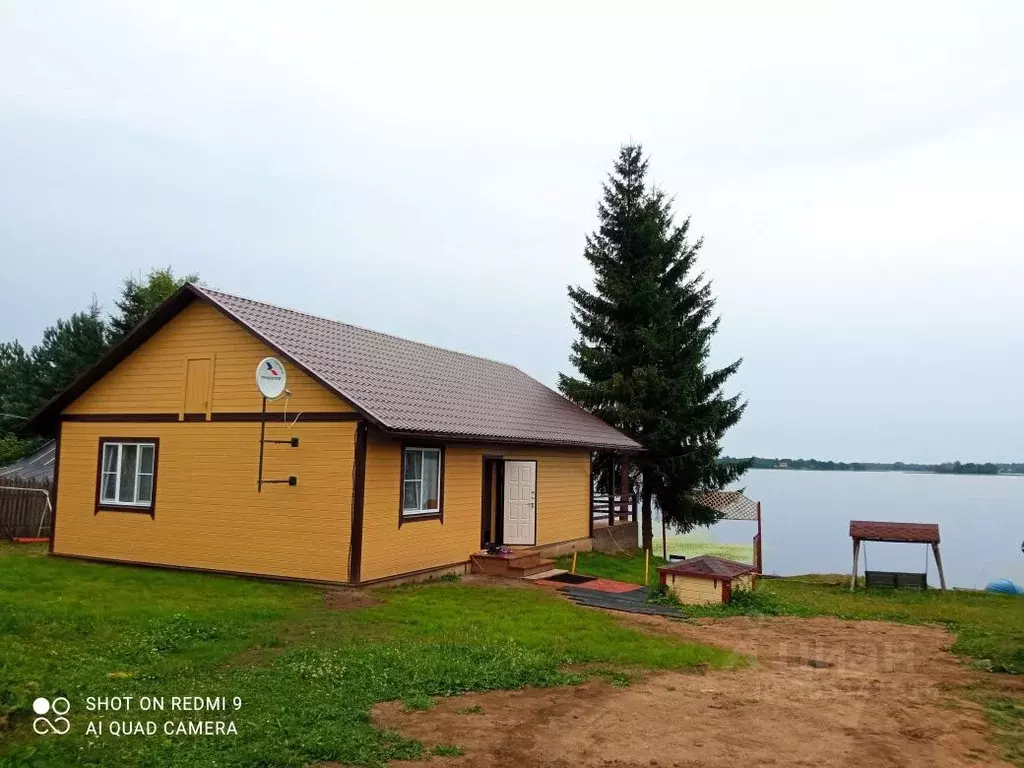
[[821, 692]]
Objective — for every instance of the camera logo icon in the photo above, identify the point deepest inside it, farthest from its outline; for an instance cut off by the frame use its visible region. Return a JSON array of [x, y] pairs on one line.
[[59, 707]]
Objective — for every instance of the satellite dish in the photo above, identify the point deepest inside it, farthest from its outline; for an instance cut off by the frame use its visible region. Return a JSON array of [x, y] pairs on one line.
[[271, 378]]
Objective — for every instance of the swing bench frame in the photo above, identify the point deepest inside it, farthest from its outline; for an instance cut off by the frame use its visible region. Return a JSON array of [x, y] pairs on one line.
[[903, 533]]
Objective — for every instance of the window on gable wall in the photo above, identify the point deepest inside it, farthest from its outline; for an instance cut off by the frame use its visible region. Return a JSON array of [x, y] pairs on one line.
[[421, 482], [127, 474]]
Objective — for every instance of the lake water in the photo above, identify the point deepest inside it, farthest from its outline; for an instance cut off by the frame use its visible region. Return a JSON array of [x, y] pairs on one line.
[[806, 516]]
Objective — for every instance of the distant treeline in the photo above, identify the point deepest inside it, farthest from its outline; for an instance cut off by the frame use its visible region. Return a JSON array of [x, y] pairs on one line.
[[948, 468]]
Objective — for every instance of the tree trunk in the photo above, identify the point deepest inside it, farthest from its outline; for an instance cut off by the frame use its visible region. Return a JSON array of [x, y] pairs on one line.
[[647, 525]]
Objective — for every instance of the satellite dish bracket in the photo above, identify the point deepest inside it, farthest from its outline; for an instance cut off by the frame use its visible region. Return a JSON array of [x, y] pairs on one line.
[[271, 380]]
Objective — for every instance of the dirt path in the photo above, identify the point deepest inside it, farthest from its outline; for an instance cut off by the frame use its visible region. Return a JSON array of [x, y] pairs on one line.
[[822, 692]]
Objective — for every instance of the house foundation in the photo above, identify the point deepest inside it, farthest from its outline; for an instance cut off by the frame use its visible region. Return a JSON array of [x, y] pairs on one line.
[[621, 537]]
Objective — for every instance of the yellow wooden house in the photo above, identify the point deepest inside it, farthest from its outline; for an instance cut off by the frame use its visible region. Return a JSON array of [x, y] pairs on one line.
[[382, 458]]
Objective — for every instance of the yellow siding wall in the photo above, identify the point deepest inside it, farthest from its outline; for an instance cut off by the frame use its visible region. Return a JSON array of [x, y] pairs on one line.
[[207, 511], [695, 591], [152, 378], [563, 501]]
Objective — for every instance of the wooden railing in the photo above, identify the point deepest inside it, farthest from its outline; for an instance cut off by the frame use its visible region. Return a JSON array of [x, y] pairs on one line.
[[623, 508]]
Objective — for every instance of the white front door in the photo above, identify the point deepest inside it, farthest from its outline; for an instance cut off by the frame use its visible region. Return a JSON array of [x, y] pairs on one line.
[[520, 502]]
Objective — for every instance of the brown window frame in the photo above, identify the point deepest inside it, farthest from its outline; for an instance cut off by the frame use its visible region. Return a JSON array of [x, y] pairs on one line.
[[414, 518], [137, 509]]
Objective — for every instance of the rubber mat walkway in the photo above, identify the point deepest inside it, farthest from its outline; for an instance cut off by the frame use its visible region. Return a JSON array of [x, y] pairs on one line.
[[612, 596]]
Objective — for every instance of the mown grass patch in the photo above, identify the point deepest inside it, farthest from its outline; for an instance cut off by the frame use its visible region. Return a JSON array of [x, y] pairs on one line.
[[699, 543], [1006, 716], [306, 675], [447, 750], [628, 567]]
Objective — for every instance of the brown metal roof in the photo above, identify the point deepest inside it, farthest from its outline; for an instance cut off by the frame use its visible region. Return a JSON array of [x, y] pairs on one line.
[[920, 533], [708, 567], [401, 386], [35, 466]]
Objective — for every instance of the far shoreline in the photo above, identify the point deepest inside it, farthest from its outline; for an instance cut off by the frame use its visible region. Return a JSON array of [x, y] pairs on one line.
[[888, 472]]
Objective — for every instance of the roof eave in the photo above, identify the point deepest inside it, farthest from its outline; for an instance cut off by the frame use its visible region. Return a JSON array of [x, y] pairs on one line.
[[709, 576], [449, 437]]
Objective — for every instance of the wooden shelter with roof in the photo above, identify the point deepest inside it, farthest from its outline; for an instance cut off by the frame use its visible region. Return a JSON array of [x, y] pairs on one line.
[[901, 533], [706, 579]]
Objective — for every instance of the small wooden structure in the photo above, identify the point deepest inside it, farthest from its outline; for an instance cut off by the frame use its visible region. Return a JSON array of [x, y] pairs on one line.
[[903, 533], [706, 580]]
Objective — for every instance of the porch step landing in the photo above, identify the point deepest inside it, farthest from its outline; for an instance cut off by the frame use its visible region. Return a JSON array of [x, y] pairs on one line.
[[522, 570], [519, 564], [546, 574]]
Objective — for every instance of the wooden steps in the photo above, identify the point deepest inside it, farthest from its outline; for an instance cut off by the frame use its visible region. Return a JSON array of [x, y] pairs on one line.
[[517, 565], [536, 565], [545, 574]]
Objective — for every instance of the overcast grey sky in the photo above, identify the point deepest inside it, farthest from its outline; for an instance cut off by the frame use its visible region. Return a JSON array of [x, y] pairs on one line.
[[430, 170]]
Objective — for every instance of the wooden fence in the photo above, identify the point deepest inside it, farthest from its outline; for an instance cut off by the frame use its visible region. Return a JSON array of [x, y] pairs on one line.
[[24, 508]]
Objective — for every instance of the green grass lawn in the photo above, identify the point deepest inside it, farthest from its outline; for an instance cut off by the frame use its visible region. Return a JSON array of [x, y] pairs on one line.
[[306, 675], [620, 567], [989, 628], [699, 542]]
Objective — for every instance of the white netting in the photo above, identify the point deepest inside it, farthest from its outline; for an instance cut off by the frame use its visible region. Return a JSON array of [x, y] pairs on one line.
[[732, 504]]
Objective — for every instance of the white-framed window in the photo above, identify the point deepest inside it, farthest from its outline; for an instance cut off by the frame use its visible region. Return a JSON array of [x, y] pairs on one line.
[[127, 473], [422, 469]]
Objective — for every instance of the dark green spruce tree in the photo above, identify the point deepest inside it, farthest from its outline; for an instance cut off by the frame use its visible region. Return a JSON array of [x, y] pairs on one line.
[[67, 350], [140, 297], [17, 399], [642, 354], [29, 379]]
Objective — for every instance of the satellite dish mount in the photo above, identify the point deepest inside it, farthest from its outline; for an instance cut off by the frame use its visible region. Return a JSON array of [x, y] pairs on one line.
[[271, 380]]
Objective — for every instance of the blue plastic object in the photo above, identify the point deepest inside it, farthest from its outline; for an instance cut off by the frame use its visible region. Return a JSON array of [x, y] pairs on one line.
[[1004, 587]]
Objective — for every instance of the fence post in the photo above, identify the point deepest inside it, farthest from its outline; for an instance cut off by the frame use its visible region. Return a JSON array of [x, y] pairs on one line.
[[624, 486], [757, 542], [590, 506], [611, 489]]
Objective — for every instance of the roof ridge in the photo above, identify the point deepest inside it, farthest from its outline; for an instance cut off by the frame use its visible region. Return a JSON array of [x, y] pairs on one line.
[[362, 328]]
